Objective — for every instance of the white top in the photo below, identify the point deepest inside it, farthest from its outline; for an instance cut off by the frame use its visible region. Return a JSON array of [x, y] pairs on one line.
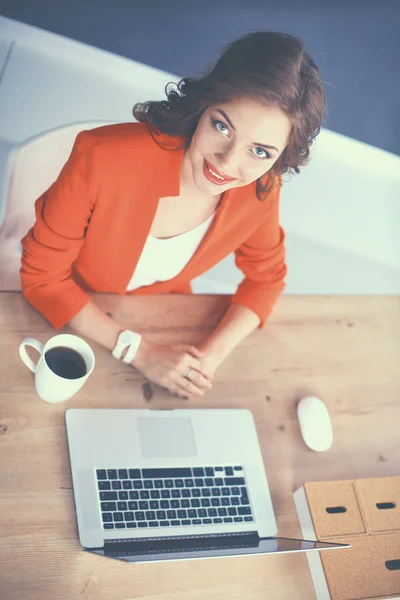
[[164, 258]]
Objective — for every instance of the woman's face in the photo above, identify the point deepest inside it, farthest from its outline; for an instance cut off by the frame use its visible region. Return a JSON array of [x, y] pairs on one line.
[[233, 145]]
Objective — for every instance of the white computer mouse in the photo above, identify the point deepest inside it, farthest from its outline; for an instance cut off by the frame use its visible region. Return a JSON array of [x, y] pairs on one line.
[[315, 424]]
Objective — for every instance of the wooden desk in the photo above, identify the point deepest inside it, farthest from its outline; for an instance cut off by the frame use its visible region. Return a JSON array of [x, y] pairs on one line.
[[344, 349]]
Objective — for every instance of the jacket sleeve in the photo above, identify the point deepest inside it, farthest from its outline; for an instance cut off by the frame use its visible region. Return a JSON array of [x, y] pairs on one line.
[[53, 244], [261, 258]]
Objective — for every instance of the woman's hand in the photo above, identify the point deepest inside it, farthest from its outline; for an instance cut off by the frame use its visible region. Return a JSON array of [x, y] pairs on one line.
[[169, 366], [209, 363]]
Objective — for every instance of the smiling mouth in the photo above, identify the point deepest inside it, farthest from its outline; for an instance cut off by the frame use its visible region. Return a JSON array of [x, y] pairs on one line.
[[214, 175]]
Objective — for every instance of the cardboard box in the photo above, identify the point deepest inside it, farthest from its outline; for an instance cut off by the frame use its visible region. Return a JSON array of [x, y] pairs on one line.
[[365, 571], [379, 500], [335, 508], [348, 511]]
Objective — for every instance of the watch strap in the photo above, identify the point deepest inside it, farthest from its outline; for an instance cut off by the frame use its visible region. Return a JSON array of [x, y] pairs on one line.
[[124, 340], [133, 348]]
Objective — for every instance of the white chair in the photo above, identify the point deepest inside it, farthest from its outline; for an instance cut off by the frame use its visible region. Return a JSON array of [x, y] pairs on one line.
[[31, 169]]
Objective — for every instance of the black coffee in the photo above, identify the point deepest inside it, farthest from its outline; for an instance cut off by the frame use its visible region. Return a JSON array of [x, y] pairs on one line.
[[66, 362]]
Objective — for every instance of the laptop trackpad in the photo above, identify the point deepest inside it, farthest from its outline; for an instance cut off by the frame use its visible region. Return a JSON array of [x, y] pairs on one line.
[[166, 438]]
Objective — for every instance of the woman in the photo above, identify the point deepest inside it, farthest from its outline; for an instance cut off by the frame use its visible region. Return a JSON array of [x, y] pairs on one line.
[[146, 207]]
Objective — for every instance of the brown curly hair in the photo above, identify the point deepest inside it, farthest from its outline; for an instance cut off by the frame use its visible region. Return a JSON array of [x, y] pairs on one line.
[[268, 66]]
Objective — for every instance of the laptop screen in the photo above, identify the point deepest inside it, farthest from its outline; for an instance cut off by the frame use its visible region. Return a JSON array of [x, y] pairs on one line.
[[152, 549]]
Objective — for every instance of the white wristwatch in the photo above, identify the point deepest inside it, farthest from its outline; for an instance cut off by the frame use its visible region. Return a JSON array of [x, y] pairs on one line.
[[127, 339]]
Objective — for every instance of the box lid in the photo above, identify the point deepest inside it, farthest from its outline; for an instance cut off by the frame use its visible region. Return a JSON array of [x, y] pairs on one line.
[[380, 503], [370, 568], [334, 508]]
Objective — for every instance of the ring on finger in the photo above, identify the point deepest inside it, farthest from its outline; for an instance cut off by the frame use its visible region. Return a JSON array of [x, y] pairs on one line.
[[188, 374]]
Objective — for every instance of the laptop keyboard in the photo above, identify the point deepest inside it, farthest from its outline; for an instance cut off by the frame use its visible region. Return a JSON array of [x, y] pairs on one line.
[[170, 497]]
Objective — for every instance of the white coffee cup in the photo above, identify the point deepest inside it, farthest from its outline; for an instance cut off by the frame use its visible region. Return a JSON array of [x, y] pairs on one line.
[[53, 387]]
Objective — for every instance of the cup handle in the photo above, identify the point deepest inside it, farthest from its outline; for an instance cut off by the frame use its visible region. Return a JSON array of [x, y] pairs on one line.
[[24, 355]]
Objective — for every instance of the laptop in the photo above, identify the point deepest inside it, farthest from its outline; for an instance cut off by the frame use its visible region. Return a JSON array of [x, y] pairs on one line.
[[152, 485]]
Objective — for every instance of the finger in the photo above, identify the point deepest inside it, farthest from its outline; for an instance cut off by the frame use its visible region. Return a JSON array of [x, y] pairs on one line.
[[195, 365], [198, 379], [187, 386], [195, 351], [191, 387], [179, 391]]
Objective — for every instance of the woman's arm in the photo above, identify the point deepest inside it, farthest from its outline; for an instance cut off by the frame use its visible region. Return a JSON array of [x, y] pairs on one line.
[[163, 364], [50, 248], [167, 365], [237, 323], [261, 258], [53, 244], [91, 322]]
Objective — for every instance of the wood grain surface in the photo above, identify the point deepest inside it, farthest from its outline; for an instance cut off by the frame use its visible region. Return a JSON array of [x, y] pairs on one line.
[[346, 350]]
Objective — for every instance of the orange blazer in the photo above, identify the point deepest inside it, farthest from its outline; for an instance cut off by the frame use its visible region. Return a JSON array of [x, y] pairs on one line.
[[92, 224]]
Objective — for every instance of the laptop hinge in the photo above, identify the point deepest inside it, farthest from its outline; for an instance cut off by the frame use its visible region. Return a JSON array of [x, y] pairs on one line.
[[181, 543]]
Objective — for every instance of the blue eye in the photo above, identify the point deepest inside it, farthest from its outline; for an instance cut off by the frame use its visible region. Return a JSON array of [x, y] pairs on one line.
[[264, 155], [216, 123], [222, 128]]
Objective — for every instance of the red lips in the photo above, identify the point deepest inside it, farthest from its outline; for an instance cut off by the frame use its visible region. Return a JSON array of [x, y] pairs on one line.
[[212, 178]]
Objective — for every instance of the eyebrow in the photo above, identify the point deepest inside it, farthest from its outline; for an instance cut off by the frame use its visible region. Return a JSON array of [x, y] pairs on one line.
[[223, 113]]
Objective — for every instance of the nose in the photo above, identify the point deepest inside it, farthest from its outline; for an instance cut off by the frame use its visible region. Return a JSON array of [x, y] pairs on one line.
[[228, 161]]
